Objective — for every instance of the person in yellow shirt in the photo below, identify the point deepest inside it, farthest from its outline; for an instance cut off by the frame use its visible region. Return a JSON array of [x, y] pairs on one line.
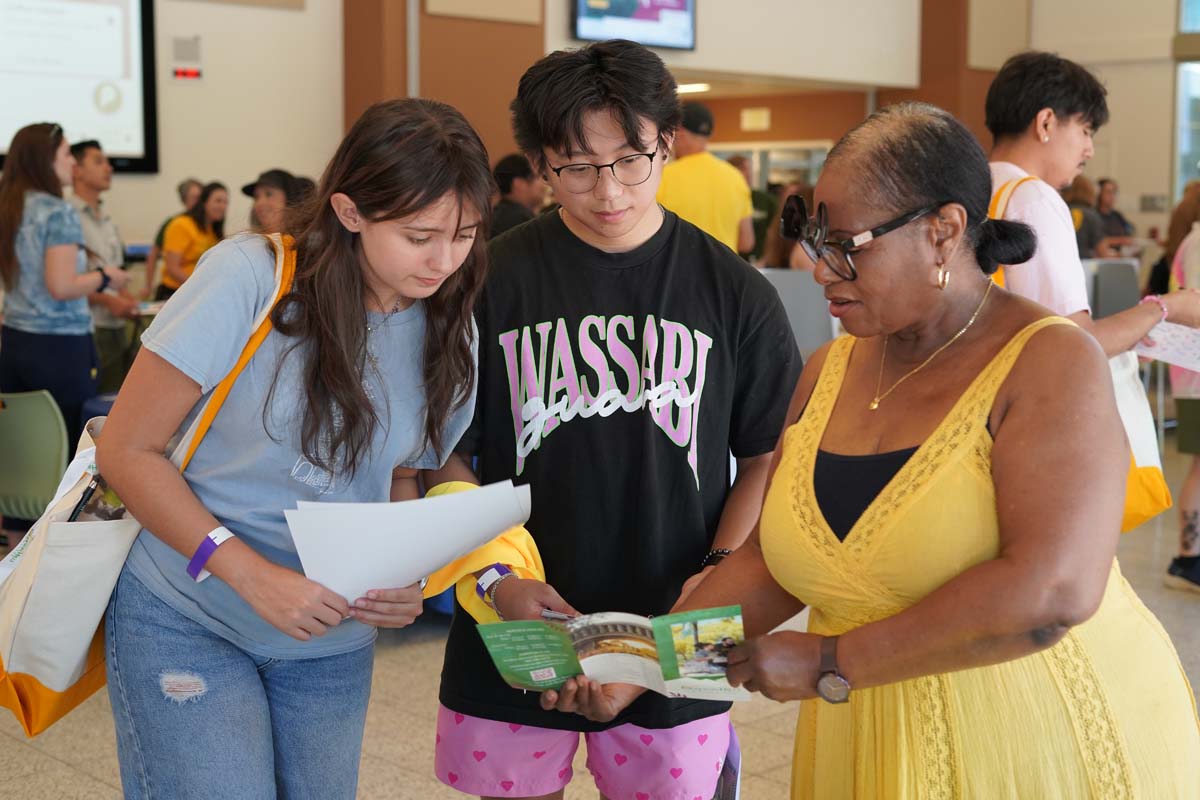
[[706, 191], [189, 235]]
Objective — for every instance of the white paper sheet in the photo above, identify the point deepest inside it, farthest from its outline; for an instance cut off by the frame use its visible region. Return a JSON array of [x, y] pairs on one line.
[[354, 547], [1173, 344]]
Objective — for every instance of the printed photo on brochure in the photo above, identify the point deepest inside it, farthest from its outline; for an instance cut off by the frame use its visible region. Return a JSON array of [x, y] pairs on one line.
[[677, 655]]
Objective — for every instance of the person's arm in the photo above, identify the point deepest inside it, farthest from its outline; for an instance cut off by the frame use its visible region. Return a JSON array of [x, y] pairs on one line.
[[64, 283], [746, 235], [1119, 332], [1059, 466], [173, 266], [176, 240], [155, 399], [456, 468], [1055, 278], [151, 268], [122, 305], [738, 517]]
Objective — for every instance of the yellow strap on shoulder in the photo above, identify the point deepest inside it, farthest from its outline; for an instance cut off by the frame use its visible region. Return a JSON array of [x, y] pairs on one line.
[[514, 548], [997, 208], [285, 266]]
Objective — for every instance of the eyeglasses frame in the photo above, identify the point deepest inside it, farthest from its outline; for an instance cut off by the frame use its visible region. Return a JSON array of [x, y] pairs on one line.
[[812, 233], [612, 167]]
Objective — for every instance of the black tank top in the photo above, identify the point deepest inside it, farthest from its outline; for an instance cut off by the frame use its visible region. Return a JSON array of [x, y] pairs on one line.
[[846, 485]]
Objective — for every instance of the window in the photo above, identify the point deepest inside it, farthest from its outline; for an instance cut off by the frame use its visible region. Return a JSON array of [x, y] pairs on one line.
[[1187, 122]]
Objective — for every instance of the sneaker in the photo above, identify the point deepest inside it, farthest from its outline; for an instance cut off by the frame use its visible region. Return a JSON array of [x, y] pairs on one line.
[[1184, 574]]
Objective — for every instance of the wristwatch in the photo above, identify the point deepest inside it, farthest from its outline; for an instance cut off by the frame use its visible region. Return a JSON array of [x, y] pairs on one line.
[[831, 686]]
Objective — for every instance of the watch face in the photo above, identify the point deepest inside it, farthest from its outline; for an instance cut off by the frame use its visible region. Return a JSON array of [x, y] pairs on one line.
[[833, 688]]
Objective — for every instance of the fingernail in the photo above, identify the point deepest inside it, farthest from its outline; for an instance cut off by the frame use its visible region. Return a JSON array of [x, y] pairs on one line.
[[373, 595]]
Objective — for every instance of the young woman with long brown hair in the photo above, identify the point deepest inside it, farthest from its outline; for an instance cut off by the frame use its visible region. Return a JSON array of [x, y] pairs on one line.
[[46, 341], [367, 377]]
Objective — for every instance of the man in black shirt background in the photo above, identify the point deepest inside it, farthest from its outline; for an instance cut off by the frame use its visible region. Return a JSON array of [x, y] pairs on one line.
[[521, 193]]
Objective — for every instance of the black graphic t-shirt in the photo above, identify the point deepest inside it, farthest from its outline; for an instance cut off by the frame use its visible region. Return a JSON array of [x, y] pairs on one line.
[[616, 385]]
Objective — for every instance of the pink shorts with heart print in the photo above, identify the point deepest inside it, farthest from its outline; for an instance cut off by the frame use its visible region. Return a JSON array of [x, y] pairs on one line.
[[500, 759]]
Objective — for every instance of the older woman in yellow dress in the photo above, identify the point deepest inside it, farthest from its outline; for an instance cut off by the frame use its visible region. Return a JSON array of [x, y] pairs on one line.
[[946, 498]]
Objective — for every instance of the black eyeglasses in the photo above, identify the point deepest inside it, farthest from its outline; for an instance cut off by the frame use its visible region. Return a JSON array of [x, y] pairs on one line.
[[628, 170], [811, 233]]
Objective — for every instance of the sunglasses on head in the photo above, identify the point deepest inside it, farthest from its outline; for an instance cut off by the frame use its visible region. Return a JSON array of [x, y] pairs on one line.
[[812, 234]]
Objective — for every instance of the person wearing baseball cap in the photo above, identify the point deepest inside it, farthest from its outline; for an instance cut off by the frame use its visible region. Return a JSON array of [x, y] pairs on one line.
[[273, 192], [706, 191]]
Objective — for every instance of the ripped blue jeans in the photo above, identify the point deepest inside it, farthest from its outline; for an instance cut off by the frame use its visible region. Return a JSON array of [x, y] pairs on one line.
[[198, 717]]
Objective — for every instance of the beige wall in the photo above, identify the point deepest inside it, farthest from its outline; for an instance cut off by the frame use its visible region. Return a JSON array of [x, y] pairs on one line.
[[863, 42], [995, 30], [1128, 46], [271, 96]]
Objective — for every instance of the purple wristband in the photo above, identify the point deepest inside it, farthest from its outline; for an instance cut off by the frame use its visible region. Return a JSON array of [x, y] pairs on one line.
[[214, 539], [200, 558]]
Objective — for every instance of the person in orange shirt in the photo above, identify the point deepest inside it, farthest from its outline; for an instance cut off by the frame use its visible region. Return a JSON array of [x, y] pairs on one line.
[[189, 235]]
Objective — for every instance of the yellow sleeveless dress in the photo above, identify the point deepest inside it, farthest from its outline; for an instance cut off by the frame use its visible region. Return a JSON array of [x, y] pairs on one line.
[[1107, 713]]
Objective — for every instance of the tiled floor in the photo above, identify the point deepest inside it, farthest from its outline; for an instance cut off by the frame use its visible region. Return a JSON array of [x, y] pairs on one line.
[[76, 759]]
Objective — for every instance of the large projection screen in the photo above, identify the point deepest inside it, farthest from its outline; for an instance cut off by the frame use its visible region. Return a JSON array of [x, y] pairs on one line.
[[87, 65]]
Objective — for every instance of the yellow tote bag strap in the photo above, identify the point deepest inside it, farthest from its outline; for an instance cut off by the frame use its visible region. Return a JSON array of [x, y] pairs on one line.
[[997, 208], [285, 273]]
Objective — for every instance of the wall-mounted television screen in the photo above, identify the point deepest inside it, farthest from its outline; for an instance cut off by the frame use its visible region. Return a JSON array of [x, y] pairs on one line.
[[87, 65], [654, 23]]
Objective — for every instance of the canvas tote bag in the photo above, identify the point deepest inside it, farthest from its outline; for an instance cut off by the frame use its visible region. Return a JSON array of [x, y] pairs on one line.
[[55, 585]]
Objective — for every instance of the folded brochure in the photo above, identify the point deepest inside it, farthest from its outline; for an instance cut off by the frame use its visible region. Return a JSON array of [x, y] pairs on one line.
[[677, 655]]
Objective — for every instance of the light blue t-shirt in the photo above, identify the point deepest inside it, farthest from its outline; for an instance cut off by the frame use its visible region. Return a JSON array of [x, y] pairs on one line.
[[246, 476], [47, 221]]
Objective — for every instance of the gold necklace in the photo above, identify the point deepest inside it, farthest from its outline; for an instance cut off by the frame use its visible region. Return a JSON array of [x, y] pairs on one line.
[[883, 358]]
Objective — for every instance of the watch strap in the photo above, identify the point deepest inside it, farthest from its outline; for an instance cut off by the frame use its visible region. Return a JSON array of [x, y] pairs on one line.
[[828, 656]]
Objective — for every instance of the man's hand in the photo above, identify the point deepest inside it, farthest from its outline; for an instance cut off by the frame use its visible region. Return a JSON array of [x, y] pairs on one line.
[[598, 702], [519, 598]]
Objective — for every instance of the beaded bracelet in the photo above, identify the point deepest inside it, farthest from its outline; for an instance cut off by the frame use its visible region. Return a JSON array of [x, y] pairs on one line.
[[714, 557], [1154, 298]]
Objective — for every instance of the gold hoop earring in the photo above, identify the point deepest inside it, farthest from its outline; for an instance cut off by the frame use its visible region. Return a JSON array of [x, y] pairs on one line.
[[943, 277]]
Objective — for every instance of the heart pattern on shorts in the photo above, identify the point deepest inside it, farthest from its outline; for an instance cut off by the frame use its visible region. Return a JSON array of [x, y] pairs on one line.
[[452, 778], [620, 759], [539, 754], [564, 772], [642, 796], [646, 738], [676, 772], [506, 785], [458, 719], [513, 727], [702, 738], [479, 755], [437, 739]]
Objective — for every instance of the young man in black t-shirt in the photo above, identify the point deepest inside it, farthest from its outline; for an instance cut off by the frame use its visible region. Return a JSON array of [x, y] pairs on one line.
[[624, 354]]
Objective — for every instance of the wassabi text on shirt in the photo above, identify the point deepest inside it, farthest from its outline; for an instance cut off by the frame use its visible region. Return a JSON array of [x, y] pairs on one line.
[[548, 388]]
